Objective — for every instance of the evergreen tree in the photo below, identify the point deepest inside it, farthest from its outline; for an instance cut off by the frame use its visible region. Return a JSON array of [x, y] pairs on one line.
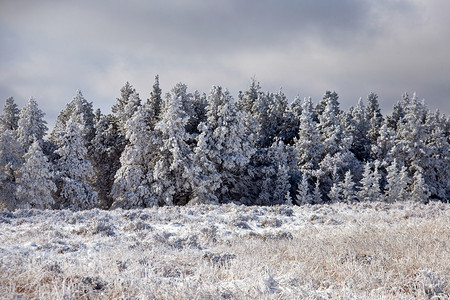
[[436, 169], [31, 125], [155, 101], [397, 183], [330, 128], [75, 172], [385, 142], [271, 170], [328, 99], [9, 116], [35, 180], [398, 112], [187, 105], [358, 130], [374, 117], [303, 194], [81, 112], [410, 141], [281, 188], [290, 128], [105, 156], [223, 151], [335, 193], [419, 191], [348, 188], [317, 194], [247, 99], [370, 183], [199, 104], [308, 144], [131, 187], [11, 153], [173, 171], [125, 106]]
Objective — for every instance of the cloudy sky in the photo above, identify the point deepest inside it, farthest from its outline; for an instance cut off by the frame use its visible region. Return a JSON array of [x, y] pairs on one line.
[[49, 49]]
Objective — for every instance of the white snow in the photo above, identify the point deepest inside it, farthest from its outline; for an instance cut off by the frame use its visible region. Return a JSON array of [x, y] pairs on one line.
[[366, 250]]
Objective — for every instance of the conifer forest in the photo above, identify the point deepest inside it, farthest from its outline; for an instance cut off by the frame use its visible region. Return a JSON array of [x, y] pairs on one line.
[[188, 147]]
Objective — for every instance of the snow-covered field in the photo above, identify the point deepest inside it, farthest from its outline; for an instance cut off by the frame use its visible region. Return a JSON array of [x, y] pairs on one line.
[[360, 251]]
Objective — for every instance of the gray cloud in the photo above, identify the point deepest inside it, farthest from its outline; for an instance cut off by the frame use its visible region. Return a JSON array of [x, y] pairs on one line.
[[51, 48]]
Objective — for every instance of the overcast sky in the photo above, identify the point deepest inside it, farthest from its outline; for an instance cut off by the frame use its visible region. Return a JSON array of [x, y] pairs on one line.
[[49, 49]]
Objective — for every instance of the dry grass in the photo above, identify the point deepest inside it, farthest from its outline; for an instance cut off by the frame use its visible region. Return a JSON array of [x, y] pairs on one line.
[[364, 251]]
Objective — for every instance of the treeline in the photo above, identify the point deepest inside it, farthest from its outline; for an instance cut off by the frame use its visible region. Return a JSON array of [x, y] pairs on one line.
[[191, 148]]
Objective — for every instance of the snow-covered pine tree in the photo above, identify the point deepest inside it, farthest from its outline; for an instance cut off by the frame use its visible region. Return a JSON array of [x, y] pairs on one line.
[[223, 151], [290, 128], [370, 183], [308, 144], [246, 100], [410, 147], [31, 125], [173, 169], [81, 111], [155, 102], [199, 104], [398, 112], [385, 142], [303, 193], [397, 183], [374, 117], [105, 156], [9, 116], [35, 180], [270, 111], [330, 99], [11, 153], [75, 174], [348, 188], [330, 127], [317, 193], [131, 187], [335, 193], [272, 170], [419, 189], [282, 173], [437, 158], [358, 130], [125, 106]]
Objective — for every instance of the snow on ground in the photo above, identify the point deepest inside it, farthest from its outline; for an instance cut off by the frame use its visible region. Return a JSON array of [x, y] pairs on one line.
[[360, 251]]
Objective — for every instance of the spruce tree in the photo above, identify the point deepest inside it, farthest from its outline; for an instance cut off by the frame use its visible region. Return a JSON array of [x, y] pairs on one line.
[[125, 106], [31, 125], [419, 190], [358, 130], [374, 117], [173, 171], [81, 112], [105, 156], [348, 188], [75, 172], [9, 116], [11, 153], [246, 100], [223, 151], [131, 187], [35, 180], [155, 101], [309, 145], [303, 191], [370, 183], [317, 193], [397, 183]]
